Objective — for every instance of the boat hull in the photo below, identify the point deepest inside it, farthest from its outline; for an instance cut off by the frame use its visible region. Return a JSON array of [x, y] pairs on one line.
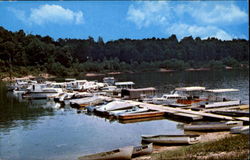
[[142, 150], [216, 126], [140, 115], [119, 154], [172, 139]]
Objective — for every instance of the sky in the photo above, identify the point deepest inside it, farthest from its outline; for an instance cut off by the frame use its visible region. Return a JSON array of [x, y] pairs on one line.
[[114, 20]]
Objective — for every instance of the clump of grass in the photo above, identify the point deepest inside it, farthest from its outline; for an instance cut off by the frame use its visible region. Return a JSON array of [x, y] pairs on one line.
[[237, 146]]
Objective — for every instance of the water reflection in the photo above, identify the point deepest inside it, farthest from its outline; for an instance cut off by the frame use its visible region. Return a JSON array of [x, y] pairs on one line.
[[15, 111]]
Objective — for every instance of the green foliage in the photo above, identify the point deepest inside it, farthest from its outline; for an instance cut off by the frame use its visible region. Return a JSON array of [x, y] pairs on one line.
[[213, 64], [174, 64], [77, 56], [238, 144], [229, 61]]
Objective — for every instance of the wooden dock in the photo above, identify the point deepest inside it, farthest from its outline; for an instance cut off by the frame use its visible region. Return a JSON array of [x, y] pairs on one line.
[[194, 115]]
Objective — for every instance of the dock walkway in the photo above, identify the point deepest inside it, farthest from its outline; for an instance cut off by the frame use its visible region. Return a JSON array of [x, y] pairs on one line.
[[194, 115]]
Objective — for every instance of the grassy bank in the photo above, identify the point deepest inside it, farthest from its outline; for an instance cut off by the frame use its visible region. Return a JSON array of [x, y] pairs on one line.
[[233, 147]]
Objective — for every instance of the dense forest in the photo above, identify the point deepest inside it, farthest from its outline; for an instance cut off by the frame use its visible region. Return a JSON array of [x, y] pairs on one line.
[[22, 54]]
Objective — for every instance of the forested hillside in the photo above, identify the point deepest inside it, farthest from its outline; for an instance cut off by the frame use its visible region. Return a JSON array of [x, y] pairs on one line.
[[22, 53]]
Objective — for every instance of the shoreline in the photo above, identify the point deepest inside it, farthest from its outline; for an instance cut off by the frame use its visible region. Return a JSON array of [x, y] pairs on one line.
[[205, 137], [96, 74]]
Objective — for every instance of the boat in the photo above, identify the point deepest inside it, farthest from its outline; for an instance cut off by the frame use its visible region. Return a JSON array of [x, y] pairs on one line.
[[240, 130], [115, 105], [124, 153], [109, 80], [190, 95], [134, 109], [83, 102], [233, 113], [73, 96], [217, 99], [167, 99], [142, 150], [41, 91], [171, 139], [211, 126], [141, 115]]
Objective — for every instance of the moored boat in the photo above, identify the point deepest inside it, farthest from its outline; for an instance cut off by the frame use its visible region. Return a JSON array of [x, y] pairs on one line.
[[171, 139], [134, 109], [211, 126], [141, 115], [142, 150], [115, 105], [124, 153], [83, 102]]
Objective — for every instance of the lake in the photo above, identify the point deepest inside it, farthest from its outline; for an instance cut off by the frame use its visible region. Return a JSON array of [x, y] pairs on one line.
[[39, 129]]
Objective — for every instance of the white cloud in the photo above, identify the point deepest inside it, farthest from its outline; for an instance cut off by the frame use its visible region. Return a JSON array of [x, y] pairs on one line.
[[197, 18], [148, 13], [50, 14], [182, 30], [212, 13]]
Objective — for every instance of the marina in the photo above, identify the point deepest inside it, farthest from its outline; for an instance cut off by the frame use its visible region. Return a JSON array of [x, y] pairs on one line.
[[113, 109]]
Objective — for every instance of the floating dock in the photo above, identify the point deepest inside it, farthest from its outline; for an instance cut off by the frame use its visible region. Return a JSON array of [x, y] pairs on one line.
[[186, 113]]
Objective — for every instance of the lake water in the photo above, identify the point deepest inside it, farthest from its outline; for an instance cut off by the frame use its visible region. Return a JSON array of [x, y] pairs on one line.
[[40, 130]]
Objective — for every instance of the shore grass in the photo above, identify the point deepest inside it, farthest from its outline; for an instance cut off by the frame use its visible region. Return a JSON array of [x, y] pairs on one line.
[[232, 147]]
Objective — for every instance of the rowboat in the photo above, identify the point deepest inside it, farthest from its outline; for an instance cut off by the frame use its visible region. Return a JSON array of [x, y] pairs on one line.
[[171, 139], [233, 113], [118, 154], [142, 150], [240, 130], [141, 115], [211, 126]]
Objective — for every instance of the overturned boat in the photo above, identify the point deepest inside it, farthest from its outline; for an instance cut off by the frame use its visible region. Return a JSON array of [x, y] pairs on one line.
[[118, 154], [211, 126], [142, 150], [240, 130], [171, 139]]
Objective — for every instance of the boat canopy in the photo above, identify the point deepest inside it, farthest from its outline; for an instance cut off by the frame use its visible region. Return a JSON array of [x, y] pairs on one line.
[[142, 89], [124, 83], [195, 88], [222, 90]]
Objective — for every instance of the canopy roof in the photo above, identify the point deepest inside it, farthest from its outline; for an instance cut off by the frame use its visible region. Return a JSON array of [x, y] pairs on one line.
[[194, 88], [222, 90], [124, 83], [143, 89]]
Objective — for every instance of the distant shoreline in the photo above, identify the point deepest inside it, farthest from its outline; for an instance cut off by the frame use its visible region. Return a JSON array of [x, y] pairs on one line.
[[97, 74]]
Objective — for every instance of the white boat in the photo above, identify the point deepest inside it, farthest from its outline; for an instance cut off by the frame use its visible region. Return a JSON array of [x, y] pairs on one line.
[[183, 95], [171, 139], [134, 109], [211, 126], [217, 99], [73, 96], [109, 80], [41, 91], [240, 130], [115, 105], [118, 154], [88, 101], [167, 98], [142, 150]]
